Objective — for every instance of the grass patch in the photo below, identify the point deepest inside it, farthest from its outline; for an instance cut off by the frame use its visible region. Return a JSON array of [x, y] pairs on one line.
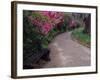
[[81, 37]]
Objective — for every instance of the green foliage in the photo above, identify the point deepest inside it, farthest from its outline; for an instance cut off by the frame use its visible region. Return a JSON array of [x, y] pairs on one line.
[[40, 16], [78, 34]]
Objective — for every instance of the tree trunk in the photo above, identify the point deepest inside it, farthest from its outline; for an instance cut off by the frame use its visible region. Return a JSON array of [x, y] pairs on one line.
[[87, 22]]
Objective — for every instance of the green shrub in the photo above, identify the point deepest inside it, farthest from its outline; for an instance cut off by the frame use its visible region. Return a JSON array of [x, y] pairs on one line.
[[78, 34]]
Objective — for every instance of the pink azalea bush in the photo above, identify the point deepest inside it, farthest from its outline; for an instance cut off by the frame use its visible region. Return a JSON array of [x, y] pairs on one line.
[[72, 24], [46, 20], [46, 28]]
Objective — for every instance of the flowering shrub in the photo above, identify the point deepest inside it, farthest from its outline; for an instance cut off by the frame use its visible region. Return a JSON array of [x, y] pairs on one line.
[[46, 20], [46, 28], [72, 23]]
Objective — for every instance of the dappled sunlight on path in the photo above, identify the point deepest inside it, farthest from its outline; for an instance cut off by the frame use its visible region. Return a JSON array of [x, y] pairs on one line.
[[64, 52]]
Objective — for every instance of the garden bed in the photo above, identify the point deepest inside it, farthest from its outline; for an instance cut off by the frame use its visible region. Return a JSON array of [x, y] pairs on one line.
[[81, 37]]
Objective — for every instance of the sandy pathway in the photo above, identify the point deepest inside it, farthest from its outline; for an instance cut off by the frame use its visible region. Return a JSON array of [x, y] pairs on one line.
[[67, 53]]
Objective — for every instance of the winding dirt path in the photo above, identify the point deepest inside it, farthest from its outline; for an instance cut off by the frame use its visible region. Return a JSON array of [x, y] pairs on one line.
[[67, 53]]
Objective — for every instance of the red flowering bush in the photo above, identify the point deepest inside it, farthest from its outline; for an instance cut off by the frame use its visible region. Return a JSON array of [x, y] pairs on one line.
[[45, 21], [46, 28]]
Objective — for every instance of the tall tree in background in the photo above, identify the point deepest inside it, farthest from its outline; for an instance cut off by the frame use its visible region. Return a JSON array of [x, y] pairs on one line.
[[87, 21]]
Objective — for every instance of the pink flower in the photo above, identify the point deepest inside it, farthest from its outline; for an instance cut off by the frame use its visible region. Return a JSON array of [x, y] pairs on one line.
[[46, 28], [72, 23]]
